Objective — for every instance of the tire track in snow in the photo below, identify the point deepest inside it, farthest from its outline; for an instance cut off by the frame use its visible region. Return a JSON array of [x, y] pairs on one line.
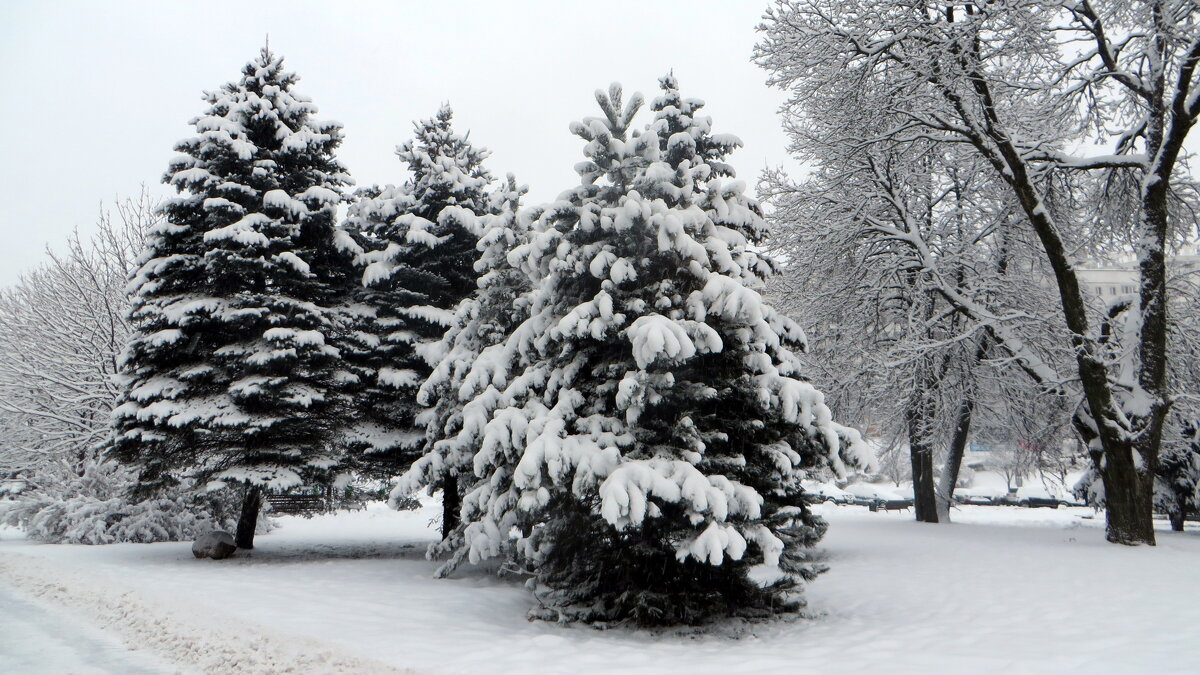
[[199, 641], [38, 638]]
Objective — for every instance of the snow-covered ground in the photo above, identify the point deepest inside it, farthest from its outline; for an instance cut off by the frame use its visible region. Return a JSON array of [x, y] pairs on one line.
[[1003, 590], [35, 638]]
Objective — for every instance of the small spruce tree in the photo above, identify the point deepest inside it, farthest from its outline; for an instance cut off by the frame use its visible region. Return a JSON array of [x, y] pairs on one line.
[[230, 376], [419, 241], [651, 438], [1177, 476], [468, 356]]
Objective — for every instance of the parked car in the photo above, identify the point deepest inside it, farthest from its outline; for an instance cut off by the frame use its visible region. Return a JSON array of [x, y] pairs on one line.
[[1036, 496], [877, 497], [817, 493], [980, 496]]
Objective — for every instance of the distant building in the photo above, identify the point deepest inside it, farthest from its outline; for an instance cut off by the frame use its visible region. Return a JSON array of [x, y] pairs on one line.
[[1111, 280]]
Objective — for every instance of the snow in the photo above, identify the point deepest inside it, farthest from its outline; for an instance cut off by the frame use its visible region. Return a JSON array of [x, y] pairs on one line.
[[655, 337], [294, 261], [217, 203], [1034, 491], [1003, 589], [600, 264], [990, 492], [299, 338], [625, 494], [40, 639], [827, 491], [399, 378], [280, 199], [434, 315], [243, 231], [714, 544], [321, 194]]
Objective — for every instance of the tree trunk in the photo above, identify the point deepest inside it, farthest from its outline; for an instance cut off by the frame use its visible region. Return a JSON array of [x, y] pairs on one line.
[[1177, 521], [1128, 498], [921, 456], [954, 457], [1127, 486], [251, 504], [1131, 522], [962, 429], [924, 490], [451, 505]]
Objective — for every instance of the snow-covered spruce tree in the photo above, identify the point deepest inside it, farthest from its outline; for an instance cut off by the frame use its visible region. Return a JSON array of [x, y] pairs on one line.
[[652, 436], [420, 240], [230, 376], [1177, 480], [467, 356]]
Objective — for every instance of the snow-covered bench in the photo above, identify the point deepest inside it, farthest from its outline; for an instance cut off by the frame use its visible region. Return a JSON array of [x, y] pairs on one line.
[[304, 504]]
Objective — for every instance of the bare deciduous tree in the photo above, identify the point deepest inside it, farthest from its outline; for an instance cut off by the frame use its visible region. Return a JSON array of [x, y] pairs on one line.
[[62, 327], [1020, 83]]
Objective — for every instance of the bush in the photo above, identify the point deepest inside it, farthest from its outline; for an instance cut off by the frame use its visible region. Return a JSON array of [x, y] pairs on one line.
[[92, 508]]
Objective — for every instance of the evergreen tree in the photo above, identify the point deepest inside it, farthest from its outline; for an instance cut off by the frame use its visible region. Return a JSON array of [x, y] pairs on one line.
[[230, 375], [467, 356], [1177, 477], [418, 266], [654, 426]]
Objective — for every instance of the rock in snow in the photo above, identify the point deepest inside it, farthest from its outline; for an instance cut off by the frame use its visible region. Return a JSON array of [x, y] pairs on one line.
[[216, 545]]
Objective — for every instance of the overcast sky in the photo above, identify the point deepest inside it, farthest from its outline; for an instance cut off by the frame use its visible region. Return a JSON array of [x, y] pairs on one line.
[[96, 94]]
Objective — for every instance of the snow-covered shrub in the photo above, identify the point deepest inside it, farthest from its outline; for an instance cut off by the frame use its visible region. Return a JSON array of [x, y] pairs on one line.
[[95, 508]]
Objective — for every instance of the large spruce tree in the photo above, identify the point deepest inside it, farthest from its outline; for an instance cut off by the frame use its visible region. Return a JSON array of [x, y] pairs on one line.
[[652, 432], [420, 240], [231, 375]]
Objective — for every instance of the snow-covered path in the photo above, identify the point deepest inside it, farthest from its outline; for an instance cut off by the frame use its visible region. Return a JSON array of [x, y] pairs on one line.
[[1004, 590], [184, 624], [36, 639]]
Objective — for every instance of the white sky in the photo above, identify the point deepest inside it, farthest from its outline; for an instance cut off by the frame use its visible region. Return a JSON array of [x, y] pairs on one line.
[[96, 94]]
